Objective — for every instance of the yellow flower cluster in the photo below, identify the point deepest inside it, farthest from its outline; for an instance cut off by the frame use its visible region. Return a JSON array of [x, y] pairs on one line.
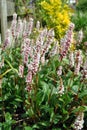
[[57, 16]]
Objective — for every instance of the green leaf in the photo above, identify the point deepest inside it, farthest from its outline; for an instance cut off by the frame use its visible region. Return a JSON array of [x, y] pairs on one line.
[[52, 115], [75, 88], [57, 118], [1, 125], [64, 111], [45, 108], [8, 117], [44, 85], [56, 129], [83, 94], [64, 126], [66, 61], [18, 100], [0, 99], [80, 109], [30, 112], [40, 97], [35, 126], [43, 123], [27, 128]]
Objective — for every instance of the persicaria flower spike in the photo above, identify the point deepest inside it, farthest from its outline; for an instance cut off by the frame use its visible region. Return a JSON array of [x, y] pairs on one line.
[[28, 88], [59, 72], [19, 29], [25, 29], [30, 26], [24, 25], [7, 42], [29, 77], [66, 41], [84, 71], [35, 63], [78, 61], [21, 70], [55, 49], [13, 25], [14, 16], [1, 59], [49, 40], [78, 124], [38, 25], [43, 59], [61, 88], [26, 50], [71, 59]]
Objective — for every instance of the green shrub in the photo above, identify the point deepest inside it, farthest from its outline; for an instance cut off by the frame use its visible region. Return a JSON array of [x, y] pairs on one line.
[[80, 20], [82, 5], [41, 97]]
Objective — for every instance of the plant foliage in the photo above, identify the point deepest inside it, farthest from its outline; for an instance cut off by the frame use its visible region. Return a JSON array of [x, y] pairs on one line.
[[48, 99]]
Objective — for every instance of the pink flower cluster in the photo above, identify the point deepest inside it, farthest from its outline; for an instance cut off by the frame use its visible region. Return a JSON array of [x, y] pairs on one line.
[[39, 52], [30, 26], [29, 77], [78, 61], [55, 49], [84, 71], [61, 88], [66, 41], [33, 50], [1, 59], [26, 50], [19, 29], [78, 124], [21, 70], [49, 40], [38, 25], [13, 25], [7, 42], [71, 59], [59, 71]]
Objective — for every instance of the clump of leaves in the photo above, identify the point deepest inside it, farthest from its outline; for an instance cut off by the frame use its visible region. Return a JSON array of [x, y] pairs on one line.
[[43, 107], [23, 7], [80, 20], [52, 100], [82, 5]]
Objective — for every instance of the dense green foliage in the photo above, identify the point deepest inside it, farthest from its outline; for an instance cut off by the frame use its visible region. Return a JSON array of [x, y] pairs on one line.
[[43, 106], [82, 5], [80, 20]]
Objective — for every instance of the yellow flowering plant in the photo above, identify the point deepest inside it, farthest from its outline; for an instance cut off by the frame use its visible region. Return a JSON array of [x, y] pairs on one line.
[[57, 15]]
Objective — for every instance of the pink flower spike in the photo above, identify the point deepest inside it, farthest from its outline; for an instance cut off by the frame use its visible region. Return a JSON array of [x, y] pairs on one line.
[[59, 72], [28, 88], [14, 16], [21, 70], [29, 77], [7, 42], [38, 25], [78, 124]]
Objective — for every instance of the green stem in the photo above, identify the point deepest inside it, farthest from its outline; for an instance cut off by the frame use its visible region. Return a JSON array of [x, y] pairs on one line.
[[15, 70], [9, 63], [1, 76], [12, 66]]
